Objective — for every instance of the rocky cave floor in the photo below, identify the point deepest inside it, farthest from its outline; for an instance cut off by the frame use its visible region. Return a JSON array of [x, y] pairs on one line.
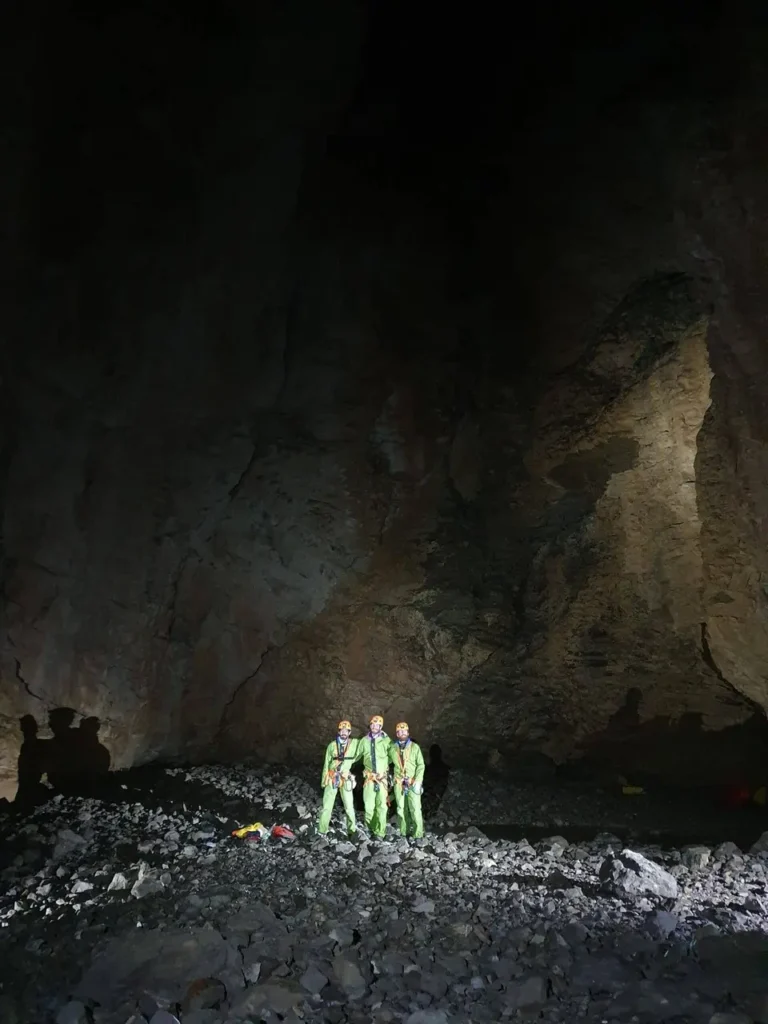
[[140, 905]]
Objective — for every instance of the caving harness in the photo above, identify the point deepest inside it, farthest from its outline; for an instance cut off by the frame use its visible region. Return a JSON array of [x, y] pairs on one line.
[[407, 784], [372, 775], [337, 777]]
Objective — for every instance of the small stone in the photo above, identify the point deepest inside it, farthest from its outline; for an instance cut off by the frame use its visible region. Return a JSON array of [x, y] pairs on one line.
[[278, 998], [555, 845], [424, 907], [119, 881], [427, 1017], [252, 972], [146, 887], [662, 923], [695, 857], [73, 1013], [726, 851], [146, 883], [204, 994], [163, 1017], [67, 842], [344, 936], [575, 933], [730, 1018], [81, 886], [435, 985], [349, 977], [313, 980], [531, 992], [147, 1005], [473, 832]]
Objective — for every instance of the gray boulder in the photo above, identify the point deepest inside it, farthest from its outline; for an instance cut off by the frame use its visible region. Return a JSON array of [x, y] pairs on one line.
[[632, 874]]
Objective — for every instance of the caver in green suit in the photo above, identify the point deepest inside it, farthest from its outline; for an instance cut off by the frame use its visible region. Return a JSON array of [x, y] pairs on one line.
[[340, 755], [408, 761], [373, 748]]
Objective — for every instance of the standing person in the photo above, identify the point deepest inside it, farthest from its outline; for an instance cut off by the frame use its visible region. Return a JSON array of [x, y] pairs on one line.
[[374, 751], [408, 760], [340, 754]]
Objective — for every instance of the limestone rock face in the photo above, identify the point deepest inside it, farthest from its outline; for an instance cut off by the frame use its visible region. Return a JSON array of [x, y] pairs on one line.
[[265, 463]]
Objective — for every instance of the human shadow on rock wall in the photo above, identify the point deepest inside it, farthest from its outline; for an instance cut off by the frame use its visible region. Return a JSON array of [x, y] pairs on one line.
[[436, 776], [74, 760], [680, 751]]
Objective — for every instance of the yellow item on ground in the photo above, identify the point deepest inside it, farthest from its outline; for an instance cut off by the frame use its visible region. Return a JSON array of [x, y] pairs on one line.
[[632, 790], [257, 826]]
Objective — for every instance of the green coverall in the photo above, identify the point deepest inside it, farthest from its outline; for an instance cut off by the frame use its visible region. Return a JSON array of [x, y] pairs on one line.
[[339, 758], [409, 769], [375, 756]]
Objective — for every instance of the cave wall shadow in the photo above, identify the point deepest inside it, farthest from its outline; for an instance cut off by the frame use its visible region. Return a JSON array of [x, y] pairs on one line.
[[679, 751], [74, 761]]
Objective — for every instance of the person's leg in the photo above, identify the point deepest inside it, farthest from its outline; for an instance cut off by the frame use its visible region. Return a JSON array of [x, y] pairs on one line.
[[401, 811], [369, 804], [329, 799], [379, 820], [416, 822], [349, 809]]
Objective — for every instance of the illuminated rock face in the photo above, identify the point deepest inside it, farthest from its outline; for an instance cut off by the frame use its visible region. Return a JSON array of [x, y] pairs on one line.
[[283, 470]]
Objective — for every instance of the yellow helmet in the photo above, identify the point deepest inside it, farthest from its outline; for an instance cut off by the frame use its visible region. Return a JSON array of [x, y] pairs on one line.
[[377, 718], [344, 724], [402, 725]]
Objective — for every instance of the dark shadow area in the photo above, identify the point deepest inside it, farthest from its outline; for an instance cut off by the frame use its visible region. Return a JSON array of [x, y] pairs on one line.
[[31, 765], [74, 760], [680, 751], [436, 776]]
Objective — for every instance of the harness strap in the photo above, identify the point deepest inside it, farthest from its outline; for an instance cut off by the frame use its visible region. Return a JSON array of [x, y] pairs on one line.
[[376, 777], [404, 780], [335, 775]]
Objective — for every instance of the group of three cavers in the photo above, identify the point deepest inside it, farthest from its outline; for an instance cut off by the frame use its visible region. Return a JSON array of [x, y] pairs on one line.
[[377, 752]]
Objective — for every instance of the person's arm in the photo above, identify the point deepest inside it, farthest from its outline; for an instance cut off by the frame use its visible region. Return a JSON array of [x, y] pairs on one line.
[[361, 742], [418, 770], [326, 765], [353, 755]]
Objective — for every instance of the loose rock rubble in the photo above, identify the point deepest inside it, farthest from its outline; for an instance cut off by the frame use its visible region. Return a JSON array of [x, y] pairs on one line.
[[117, 910], [509, 801]]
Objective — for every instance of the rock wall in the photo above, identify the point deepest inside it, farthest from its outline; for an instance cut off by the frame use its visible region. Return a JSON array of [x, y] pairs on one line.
[[293, 429]]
